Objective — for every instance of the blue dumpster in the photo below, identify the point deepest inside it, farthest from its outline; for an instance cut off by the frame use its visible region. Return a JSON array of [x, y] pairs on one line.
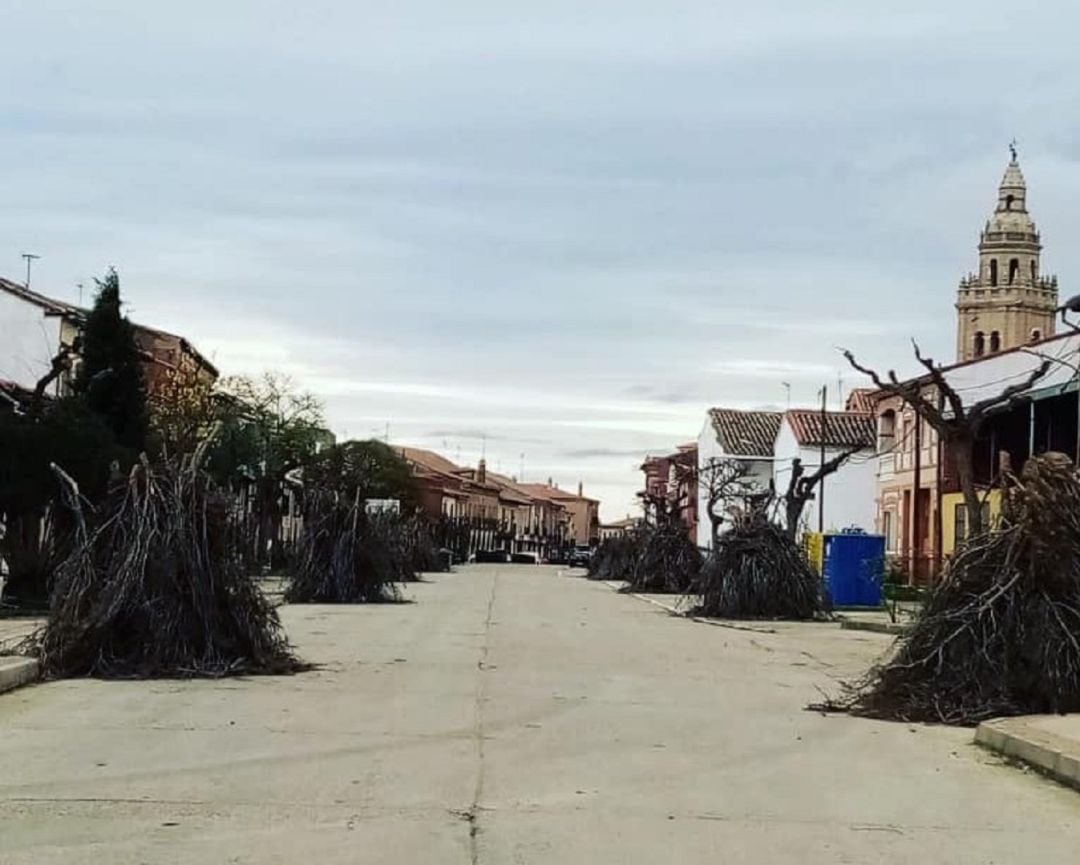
[[853, 568]]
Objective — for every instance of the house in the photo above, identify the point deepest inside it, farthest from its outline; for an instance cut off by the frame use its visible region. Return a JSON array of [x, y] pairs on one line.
[[619, 528], [1004, 311], [844, 499], [743, 441], [34, 329], [920, 508], [584, 512], [671, 483]]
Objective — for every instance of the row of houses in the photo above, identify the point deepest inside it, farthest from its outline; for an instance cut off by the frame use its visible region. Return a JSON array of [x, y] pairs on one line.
[[511, 515], [899, 480]]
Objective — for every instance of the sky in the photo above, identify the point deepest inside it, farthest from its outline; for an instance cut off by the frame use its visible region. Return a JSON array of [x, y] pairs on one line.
[[553, 233]]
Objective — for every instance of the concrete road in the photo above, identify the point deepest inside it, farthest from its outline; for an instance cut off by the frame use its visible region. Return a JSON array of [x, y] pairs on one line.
[[512, 715]]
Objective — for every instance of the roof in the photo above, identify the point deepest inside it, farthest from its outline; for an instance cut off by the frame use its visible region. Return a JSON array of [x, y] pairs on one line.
[[427, 459], [843, 429], [861, 399], [51, 307], [554, 494], [746, 433]]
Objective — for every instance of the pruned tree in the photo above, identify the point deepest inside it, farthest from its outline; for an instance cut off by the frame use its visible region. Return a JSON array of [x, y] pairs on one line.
[[957, 425], [801, 486], [724, 481]]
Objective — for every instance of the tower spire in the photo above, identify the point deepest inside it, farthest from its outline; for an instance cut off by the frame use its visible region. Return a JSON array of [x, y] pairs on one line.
[[1008, 302]]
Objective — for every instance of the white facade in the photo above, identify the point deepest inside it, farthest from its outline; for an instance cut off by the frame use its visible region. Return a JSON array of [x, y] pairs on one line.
[[760, 473], [29, 339], [849, 492]]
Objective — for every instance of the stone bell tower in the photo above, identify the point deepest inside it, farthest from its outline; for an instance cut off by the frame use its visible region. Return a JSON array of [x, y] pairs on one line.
[[1008, 302]]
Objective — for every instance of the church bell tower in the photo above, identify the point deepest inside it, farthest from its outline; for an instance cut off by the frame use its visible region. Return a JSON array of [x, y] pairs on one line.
[[1008, 302]]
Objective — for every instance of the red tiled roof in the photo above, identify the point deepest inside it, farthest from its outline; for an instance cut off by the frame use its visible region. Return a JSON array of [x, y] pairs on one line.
[[746, 433], [861, 399], [427, 459], [843, 429]]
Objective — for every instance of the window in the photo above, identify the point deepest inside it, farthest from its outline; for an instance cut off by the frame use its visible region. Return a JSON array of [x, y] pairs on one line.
[[1009, 199], [993, 271], [889, 531], [1036, 334], [995, 342], [979, 345], [1034, 271], [886, 431], [1014, 270]]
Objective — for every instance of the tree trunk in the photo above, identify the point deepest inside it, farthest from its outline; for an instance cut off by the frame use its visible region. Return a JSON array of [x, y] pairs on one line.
[[963, 450], [793, 509]]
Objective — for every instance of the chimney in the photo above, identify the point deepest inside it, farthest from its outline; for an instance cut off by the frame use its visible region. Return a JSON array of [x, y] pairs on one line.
[[549, 482], [580, 490], [481, 471]]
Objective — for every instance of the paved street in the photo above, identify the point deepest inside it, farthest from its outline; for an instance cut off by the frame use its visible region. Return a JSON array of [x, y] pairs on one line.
[[512, 715]]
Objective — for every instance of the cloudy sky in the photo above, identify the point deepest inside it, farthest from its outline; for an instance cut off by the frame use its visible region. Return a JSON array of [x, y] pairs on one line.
[[568, 226]]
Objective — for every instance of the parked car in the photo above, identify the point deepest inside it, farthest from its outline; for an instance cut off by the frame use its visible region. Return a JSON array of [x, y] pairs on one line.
[[498, 557], [580, 557]]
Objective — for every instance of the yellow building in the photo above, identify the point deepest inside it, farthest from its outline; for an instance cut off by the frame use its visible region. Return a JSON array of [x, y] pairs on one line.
[[954, 520]]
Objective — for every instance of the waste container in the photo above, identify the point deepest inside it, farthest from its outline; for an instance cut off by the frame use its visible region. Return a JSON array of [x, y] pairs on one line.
[[853, 567]]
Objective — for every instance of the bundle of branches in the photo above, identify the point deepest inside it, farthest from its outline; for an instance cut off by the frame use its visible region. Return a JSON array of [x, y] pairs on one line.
[[155, 587], [756, 571], [669, 560], [425, 555], [617, 558], [346, 555], [1001, 634]]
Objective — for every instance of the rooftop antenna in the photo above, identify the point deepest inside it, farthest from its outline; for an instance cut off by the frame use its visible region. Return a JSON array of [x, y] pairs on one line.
[[79, 285], [840, 391], [483, 446], [30, 259], [521, 470], [787, 387]]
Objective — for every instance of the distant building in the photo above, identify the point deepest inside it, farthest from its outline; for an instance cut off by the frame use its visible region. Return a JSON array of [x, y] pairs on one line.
[[671, 486], [584, 512], [619, 528]]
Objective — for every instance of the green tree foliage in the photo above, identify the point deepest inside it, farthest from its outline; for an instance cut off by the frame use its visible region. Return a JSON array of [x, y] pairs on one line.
[[371, 467], [268, 429], [110, 377], [64, 432]]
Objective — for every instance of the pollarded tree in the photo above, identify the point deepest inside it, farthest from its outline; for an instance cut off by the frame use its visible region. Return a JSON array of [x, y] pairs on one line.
[[110, 376], [934, 400]]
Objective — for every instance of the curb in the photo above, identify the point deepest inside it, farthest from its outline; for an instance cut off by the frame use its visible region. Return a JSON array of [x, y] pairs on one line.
[[1018, 738], [16, 672], [894, 628], [684, 614]]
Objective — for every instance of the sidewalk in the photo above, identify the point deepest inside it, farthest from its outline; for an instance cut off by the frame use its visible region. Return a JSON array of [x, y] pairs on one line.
[[1048, 743], [16, 671]]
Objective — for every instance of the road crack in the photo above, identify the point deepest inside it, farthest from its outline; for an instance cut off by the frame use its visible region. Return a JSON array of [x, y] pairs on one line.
[[472, 814]]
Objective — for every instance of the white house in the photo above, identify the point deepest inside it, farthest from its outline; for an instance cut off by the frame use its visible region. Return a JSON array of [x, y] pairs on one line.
[[32, 330], [849, 492], [745, 438]]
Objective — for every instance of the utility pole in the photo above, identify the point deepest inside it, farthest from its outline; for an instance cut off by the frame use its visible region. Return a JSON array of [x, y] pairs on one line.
[[30, 259], [521, 471], [916, 526], [787, 387], [821, 483]]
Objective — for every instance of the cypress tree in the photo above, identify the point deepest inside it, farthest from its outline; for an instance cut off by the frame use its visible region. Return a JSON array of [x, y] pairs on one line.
[[110, 377]]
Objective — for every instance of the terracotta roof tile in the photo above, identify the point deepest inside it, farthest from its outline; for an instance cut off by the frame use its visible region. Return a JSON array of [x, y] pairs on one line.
[[843, 429], [746, 433]]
